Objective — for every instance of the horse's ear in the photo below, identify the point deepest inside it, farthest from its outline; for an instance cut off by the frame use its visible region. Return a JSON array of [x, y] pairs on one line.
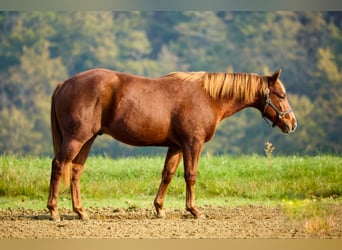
[[276, 75]]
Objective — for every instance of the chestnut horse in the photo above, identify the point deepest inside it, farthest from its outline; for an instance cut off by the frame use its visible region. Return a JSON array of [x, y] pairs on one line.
[[180, 111]]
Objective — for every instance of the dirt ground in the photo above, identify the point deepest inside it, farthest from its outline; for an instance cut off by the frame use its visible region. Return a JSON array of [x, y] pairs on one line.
[[219, 223]]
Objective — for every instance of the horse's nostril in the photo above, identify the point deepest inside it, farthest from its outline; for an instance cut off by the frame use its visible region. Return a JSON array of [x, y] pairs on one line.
[[294, 127]]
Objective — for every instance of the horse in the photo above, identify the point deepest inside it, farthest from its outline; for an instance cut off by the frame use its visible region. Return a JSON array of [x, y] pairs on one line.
[[180, 110]]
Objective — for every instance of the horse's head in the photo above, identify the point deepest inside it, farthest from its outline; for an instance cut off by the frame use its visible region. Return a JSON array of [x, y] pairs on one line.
[[276, 107]]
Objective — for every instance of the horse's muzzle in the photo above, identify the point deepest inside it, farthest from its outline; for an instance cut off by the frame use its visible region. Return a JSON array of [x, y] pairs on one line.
[[288, 127]]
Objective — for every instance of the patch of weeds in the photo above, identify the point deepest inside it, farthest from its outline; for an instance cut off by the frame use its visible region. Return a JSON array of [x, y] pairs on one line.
[[131, 206], [316, 217], [269, 148], [319, 225]]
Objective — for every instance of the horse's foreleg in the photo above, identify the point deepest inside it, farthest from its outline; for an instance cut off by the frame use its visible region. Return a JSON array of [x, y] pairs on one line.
[[173, 157], [191, 157], [77, 169]]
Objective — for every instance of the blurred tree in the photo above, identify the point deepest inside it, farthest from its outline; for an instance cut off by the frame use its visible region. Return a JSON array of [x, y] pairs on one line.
[[18, 135], [308, 134], [34, 79], [84, 40], [160, 28], [201, 41], [38, 49], [134, 45], [328, 103], [10, 47], [169, 62]]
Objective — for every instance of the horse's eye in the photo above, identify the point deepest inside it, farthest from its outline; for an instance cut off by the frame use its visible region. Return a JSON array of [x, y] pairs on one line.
[[280, 95]]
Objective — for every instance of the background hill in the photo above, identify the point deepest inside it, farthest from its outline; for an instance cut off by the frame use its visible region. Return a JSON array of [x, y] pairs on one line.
[[39, 49]]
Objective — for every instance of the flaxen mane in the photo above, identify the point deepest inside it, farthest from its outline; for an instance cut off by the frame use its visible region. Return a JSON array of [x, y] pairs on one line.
[[227, 85]]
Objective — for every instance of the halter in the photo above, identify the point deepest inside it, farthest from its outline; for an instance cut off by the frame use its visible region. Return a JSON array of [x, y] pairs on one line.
[[280, 114]]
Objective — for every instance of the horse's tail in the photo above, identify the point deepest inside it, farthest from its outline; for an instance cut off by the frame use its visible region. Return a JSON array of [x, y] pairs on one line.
[[55, 129], [57, 136]]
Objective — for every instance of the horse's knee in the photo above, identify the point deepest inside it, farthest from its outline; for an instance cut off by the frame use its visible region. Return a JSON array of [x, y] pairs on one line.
[[190, 178]]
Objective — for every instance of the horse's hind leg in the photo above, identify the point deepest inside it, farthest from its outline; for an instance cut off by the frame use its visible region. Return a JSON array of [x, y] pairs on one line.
[[61, 162], [191, 157], [77, 169], [173, 157]]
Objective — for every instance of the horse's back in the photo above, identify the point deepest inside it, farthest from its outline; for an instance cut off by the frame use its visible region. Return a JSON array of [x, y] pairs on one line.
[[90, 81], [135, 110]]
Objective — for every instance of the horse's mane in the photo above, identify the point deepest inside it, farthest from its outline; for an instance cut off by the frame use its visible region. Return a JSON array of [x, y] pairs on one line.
[[242, 86]]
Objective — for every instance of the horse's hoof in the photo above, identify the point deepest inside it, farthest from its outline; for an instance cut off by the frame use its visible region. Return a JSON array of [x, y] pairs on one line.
[[199, 216], [160, 215], [55, 218], [195, 212], [84, 217]]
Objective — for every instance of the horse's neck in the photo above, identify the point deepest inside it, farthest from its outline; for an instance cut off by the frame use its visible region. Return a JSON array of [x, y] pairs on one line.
[[232, 106]]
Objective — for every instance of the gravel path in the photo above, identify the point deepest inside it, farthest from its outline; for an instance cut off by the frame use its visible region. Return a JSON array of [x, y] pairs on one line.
[[220, 222]]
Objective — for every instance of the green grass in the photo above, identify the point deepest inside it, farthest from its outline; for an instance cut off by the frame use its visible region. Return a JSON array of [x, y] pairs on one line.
[[221, 180]]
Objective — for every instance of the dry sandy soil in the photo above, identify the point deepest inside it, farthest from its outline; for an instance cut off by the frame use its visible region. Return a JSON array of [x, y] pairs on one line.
[[219, 223]]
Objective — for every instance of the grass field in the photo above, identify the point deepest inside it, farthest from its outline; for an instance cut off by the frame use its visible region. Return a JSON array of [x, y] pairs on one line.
[[222, 180], [306, 188]]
